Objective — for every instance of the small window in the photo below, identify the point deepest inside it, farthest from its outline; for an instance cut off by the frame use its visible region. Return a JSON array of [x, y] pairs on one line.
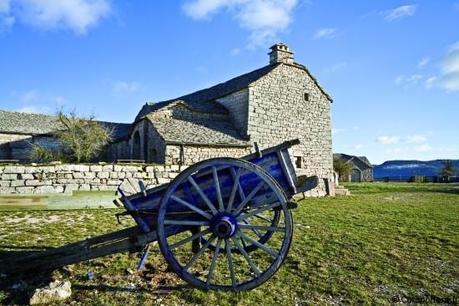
[[306, 96], [299, 161]]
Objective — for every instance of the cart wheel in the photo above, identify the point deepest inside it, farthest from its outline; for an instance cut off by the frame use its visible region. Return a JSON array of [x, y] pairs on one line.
[[232, 202]]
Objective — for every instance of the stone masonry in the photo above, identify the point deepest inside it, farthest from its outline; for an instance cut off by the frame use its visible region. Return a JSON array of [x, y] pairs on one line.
[[66, 178], [279, 110]]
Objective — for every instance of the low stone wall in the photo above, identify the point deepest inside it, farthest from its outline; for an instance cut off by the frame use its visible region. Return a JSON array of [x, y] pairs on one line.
[[19, 179]]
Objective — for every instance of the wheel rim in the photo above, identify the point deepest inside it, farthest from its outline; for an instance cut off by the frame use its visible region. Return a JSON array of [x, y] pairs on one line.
[[204, 201]]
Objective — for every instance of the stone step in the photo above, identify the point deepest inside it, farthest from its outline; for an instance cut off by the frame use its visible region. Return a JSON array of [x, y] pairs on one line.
[[341, 191]]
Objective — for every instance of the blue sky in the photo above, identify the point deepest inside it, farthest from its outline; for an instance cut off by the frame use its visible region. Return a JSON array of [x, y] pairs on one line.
[[392, 67]]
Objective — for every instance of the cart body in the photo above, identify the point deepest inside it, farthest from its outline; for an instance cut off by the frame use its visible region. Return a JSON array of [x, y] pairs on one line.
[[275, 161]]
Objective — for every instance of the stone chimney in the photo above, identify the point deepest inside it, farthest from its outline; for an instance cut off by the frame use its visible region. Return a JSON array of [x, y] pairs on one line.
[[280, 53]]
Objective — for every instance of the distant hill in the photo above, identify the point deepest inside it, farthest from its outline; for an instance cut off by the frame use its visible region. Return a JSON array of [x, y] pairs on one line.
[[407, 168]]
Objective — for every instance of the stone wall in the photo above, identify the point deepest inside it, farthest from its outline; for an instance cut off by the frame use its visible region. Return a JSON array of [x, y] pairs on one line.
[[8, 142], [279, 110], [19, 146], [151, 148], [237, 104], [21, 179], [194, 154], [119, 150]]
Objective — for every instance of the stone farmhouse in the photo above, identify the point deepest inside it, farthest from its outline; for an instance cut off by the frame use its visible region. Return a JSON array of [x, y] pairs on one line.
[[362, 169], [278, 102]]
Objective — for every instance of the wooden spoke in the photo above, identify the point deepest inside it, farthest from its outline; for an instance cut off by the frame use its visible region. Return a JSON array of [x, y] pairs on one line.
[[214, 261], [252, 265], [191, 238], [253, 229], [262, 227], [230, 262], [239, 187], [235, 188], [248, 198], [203, 196], [243, 242], [186, 222], [199, 253], [257, 211], [192, 207], [217, 188], [270, 251], [262, 217]]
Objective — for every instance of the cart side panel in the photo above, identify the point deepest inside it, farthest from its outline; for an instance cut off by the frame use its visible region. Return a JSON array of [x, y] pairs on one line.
[[278, 164], [276, 161]]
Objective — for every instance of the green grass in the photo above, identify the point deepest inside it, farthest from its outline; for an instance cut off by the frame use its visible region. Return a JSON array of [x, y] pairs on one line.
[[386, 243]]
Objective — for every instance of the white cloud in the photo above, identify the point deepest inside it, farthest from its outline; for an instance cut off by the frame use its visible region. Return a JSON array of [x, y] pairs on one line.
[[34, 101], [337, 131], [201, 69], [410, 139], [393, 151], [6, 20], [36, 109], [451, 60], [447, 78], [450, 69], [358, 146], [29, 96], [77, 15], [408, 81], [387, 139], [399, 12], [423, 62], [4, 6], [336, 67], [125, 87], [263, 18], [417, 138], [235, 51], [423, 148], [325, 33], [430, 82]]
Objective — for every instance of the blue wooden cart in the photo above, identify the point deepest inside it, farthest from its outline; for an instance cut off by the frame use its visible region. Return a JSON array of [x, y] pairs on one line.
[[222, 224]]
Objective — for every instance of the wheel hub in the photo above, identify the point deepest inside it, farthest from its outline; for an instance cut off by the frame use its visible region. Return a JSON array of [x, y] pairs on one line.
[[224, 225]]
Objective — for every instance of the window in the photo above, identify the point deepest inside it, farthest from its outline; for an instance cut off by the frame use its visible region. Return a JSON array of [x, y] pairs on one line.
[[299, 161], [306, 96]]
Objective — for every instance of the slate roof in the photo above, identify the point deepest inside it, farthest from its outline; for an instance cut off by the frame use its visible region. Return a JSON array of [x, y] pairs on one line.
[[27, 123], [356, 160], [40, 124], [120, 130], [198, 132], [202, 100]]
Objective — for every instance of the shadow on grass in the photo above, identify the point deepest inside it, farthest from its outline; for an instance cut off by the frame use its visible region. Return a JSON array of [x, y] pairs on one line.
[[17, 288]]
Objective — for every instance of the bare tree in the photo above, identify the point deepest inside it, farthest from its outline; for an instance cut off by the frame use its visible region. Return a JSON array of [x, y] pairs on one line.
[[82, 139], [447, 169]]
